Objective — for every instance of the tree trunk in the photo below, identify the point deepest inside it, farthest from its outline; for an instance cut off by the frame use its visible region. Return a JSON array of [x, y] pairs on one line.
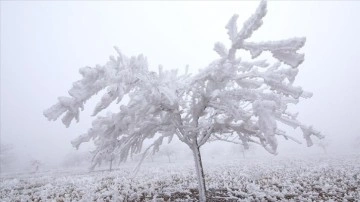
[[199, 172], [325, 151], [111, 164], [168, 158]]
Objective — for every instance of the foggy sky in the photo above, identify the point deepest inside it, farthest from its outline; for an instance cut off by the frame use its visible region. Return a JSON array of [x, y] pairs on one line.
[[43, 44]]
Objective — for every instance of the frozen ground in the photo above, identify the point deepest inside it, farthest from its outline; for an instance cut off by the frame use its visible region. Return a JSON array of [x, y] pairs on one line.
[[297, 179]]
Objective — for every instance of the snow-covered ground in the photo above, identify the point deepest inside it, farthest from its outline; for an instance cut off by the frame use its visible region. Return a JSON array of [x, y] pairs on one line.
[[270, 179]]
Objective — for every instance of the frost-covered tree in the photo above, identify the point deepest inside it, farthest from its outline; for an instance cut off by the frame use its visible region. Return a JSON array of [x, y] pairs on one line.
[[240, 148], [168, 152], [356, 142], [111, 159], [230, 100], [35, 165], [7, 155], [323, 144]]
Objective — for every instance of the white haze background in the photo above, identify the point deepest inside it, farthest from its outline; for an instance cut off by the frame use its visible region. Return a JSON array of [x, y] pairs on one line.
[[43, 44]]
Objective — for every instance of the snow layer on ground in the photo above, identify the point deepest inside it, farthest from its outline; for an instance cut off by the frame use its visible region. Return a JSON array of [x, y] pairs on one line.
[[273, 179]]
